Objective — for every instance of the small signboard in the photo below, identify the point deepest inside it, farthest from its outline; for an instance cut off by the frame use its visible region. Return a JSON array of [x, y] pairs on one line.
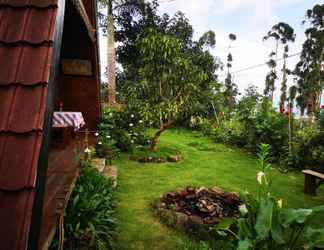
[[77, 67]]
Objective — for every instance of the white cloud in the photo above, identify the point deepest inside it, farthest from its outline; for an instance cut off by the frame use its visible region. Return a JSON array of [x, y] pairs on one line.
[[248, 49]]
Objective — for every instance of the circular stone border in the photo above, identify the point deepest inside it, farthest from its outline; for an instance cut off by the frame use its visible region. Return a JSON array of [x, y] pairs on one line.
[[190, 224]]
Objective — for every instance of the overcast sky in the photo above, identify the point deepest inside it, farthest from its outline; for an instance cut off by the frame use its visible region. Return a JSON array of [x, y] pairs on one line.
[[249, 20]]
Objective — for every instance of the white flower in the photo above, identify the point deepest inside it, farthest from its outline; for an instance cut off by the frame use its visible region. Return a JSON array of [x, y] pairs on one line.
[[99, 143], [108, 136], [97, 134], [140, 121], [87, 150], [132, 141], [117, 93], [243, 209], [132, 116], [260, 176], [131, 124], [280, 203]]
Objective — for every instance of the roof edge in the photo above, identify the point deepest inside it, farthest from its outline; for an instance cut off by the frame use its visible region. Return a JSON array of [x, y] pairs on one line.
[[36, 221]]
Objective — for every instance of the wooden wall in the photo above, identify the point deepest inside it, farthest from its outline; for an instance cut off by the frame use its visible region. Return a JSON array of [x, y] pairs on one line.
[[77, 92]]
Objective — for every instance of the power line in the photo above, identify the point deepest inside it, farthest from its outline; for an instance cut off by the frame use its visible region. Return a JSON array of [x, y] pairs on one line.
[[262, 64], [166, 1]]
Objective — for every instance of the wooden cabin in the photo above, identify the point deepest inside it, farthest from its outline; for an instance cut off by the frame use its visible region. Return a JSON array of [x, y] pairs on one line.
[[49, 65]]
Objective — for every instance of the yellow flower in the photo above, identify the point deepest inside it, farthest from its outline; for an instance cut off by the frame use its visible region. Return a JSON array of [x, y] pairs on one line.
[[260, 175], [280, 203]]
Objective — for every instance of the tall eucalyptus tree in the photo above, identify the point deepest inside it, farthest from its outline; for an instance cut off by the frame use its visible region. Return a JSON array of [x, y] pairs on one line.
[[282, 33], [231, 89], [309, 69]]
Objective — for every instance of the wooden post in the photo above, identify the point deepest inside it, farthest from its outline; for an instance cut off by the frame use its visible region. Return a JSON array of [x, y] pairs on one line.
[[310, 184], [86, 138]]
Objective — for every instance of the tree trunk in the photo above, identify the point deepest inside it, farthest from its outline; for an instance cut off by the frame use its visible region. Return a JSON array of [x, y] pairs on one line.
[[156, 138], [283, 87], [290, 126], [111, 56]]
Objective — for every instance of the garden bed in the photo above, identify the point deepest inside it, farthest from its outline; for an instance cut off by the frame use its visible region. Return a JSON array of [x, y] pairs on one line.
[[194, 210], [162, 155]]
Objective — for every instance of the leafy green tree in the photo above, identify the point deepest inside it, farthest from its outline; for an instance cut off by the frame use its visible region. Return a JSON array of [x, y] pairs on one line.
[[168, 80], [309, 69], [206, 102]]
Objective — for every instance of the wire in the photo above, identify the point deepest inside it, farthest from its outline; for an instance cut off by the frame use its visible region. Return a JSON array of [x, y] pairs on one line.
[[261, 64], [166, 1]]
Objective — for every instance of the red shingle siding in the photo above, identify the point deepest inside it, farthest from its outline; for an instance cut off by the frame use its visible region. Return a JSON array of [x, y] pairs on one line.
[[14, 235], [29, 3], [26, 48], [26, 20], [25, 64], [18, 163], [26, 108]]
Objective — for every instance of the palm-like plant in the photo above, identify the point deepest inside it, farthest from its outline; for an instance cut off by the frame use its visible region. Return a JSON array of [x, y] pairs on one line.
[[107, 23]]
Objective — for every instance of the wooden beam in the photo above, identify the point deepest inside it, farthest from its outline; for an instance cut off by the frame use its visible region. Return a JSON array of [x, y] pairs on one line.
[[314, 173], [83, 13]]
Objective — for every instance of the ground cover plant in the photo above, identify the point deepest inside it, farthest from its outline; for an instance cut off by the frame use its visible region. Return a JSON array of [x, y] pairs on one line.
[[89, 221], [228, 168]]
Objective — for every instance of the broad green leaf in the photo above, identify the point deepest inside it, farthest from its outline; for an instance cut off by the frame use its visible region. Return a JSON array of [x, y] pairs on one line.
[[264, 218], [291, 216], [318, 209], [225, 224], [315, 238], [244, 229], [277, 231], [244, 245]]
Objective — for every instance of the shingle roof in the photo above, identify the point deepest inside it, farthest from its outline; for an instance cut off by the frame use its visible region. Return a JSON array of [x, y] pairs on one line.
[[26, 45]]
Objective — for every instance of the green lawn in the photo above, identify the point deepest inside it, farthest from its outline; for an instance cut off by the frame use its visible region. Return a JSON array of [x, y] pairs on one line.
[[205, 164]]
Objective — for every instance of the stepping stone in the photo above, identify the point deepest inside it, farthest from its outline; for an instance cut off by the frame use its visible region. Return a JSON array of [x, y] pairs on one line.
[[99, 164], [111, 172]]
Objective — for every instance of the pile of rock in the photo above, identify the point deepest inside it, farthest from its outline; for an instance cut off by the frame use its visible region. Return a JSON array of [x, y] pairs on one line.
[[204, 206], [156, 159]]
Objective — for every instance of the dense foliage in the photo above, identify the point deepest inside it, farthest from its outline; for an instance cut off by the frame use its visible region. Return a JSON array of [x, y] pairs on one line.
[[122, 128], [89, 221], [255, 121]]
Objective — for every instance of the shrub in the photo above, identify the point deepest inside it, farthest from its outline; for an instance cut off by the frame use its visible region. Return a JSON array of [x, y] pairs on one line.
[[312, 151], [125, 127], [263, 124], [89, 218], [296, 158], [230, 132]]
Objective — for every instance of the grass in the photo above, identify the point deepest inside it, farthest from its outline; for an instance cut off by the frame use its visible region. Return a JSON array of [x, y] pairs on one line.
[[205, 164], [163, 152]]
